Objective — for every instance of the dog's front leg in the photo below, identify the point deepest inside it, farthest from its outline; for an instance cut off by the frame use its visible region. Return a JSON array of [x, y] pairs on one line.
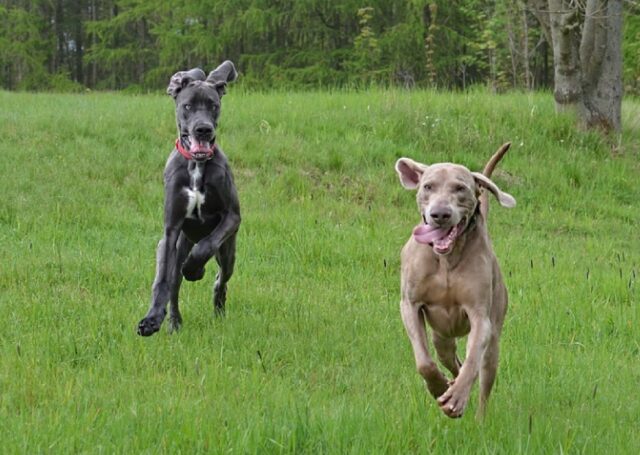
[[166, 257], [454, 400], [414, 323], [206, 248]]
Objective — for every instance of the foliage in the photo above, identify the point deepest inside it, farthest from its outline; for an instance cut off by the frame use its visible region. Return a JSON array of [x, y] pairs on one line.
[[366, 60], [631, 50], [111, 44], [22, 50]]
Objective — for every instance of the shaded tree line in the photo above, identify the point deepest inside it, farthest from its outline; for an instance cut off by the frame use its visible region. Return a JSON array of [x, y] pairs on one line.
[[138, 44]]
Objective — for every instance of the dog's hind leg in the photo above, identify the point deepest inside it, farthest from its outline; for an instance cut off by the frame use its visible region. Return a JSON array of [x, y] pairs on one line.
[[446, 349], [183, 247], [226, 258], [488, 370]]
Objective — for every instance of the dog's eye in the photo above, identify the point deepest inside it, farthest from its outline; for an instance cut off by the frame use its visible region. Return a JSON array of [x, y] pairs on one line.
[[459, 188], [187, 107], [427, 186]]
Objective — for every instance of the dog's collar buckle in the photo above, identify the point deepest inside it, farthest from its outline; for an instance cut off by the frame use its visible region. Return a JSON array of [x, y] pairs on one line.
[[184, 152]]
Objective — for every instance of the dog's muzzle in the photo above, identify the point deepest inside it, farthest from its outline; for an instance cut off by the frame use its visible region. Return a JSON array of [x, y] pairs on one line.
[[194, 149]]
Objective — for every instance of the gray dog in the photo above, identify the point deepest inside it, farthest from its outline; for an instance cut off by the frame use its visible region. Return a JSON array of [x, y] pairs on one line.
[[201, 208], [451, 279]]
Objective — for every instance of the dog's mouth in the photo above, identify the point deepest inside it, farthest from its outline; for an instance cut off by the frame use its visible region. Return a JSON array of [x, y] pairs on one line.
[[199, 149], [441, 239]]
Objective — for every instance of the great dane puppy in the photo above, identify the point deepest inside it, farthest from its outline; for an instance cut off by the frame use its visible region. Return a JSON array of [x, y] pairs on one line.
[[451, 278], [201, 207]]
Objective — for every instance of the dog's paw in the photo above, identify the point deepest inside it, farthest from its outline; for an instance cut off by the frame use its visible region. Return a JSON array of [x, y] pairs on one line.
[[148, 326], [453, 402], [174, 324], [219, 310], [191, 272], [435, 381]]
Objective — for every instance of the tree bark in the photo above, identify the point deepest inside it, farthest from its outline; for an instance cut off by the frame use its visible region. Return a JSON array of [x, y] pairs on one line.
[[587, 58], [525, 51], [601, 59], [78, 37], [565, 39]]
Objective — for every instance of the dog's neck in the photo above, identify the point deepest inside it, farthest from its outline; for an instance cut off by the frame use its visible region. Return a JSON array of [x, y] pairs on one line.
[[196, 174]]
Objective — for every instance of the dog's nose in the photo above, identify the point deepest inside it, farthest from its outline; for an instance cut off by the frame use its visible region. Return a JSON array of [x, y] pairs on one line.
[[203, 130], [440, 214]]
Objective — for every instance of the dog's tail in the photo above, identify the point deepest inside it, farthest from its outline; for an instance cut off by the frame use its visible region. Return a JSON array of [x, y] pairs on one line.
[[487, 171]]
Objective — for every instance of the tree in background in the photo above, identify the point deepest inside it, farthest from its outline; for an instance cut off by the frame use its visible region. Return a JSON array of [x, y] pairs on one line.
[[22, 49], [123, 50], [430, 13], [367, 50], [138, 44], [587, 56], [631, 49]]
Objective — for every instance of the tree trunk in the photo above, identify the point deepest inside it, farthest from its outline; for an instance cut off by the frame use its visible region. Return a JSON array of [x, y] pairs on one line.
[[78, 37], [525, 52], [601, 58], [587, 58], [565, 39], [513, 51], [58, 57], [94, 40], [429, 13]]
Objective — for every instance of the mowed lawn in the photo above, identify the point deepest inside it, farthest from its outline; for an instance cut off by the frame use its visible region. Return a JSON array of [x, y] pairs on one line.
[[312, 356]]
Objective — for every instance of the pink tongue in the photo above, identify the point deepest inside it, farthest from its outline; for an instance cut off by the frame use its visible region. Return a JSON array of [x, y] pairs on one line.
[[423, 233], [199, 147]]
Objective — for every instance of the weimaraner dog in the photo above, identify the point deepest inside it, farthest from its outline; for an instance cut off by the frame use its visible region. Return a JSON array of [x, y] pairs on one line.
[[451, 278], [201, 207]]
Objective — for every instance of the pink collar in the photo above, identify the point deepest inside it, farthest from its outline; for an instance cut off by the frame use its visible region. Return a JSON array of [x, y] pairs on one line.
[[187, 153]]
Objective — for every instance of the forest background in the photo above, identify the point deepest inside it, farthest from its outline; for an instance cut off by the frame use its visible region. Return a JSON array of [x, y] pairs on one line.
[[75, 45]]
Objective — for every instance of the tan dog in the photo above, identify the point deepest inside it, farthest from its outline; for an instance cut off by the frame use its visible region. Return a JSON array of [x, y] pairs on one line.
[[451, 278]]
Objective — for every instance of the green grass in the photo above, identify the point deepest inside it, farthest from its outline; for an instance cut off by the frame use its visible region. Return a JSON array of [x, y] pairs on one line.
[[312, 356]]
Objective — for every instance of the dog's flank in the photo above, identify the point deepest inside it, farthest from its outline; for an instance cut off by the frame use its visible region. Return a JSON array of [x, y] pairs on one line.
[[201, 208], [451, 279]]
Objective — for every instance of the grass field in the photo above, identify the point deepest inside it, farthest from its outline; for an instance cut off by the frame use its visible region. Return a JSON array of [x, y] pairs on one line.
[[312, 356]]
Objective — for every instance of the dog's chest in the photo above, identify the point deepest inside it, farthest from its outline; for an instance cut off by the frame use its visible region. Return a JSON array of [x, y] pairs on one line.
[[195, 192], [443, 307], [442, 293]]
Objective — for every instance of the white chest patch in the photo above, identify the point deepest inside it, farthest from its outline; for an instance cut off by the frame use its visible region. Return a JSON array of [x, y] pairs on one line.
[[195, 196], [194, 203]]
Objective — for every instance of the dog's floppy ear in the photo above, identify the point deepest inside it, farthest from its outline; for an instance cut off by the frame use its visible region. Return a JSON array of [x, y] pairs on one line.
[[410, 172], [182, 78], [222, 75], [505, 199]]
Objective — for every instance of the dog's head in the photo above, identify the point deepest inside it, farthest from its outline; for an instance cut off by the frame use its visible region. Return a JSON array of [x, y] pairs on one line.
[[197, 98], [447, 199]]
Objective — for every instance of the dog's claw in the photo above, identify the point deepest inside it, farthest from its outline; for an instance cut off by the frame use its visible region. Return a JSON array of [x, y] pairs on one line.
[[453, 402]]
